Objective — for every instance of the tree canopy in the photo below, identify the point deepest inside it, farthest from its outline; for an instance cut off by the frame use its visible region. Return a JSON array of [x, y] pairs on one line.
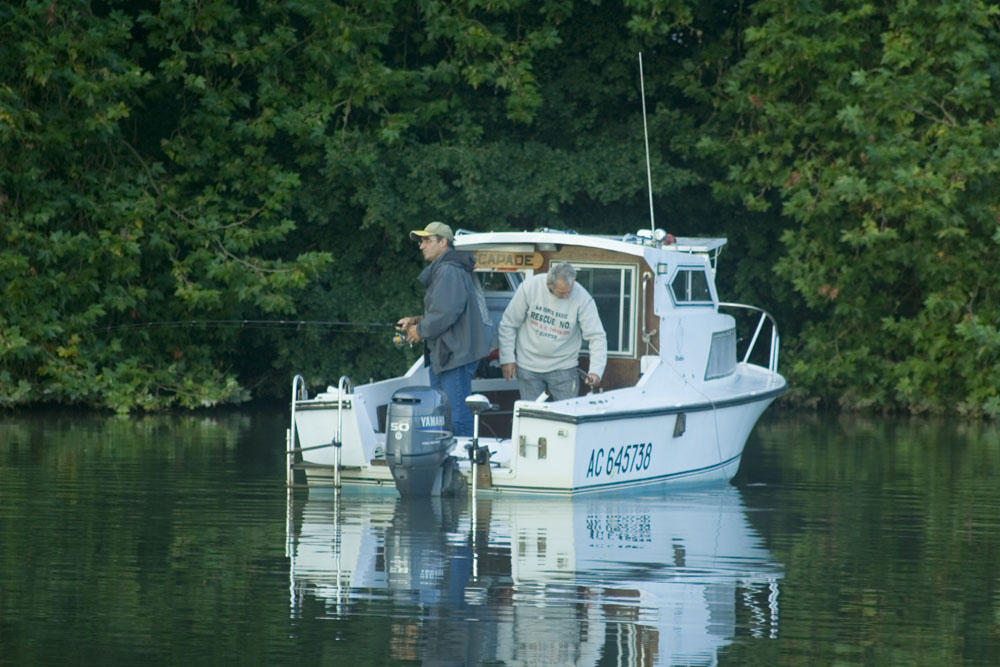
[[217, 161], [873, 129]]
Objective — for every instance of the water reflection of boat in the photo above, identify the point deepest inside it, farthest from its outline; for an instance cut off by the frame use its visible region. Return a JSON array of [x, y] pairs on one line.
[[638, 580]]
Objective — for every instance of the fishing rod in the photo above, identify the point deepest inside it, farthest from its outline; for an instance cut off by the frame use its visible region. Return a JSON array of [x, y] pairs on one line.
[[341, 325], [249, 324]]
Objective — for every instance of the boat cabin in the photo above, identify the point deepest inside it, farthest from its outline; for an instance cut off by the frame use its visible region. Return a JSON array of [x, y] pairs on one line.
[[635, 282]]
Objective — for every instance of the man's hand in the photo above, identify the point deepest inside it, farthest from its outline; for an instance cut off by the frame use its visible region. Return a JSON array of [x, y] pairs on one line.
[[593, 380], [509, 371], [408, 325]]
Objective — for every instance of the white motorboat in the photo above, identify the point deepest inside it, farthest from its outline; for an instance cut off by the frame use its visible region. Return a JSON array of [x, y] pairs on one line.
[[634, 579], [680, 395]]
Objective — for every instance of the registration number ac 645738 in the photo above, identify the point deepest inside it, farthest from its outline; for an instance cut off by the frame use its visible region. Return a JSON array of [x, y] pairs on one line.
[[620, 460]]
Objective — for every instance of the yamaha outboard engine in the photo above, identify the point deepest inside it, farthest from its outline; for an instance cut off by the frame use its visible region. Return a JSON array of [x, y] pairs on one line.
[[418, 437]]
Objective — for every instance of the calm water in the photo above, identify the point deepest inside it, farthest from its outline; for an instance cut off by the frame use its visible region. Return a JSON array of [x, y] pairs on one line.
[[172, 540]]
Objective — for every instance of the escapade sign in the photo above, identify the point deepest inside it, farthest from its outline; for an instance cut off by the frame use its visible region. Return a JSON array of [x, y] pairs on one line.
[[501, 260]]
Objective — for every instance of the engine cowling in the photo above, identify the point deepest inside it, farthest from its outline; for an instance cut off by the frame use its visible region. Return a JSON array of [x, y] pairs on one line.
[[418, 437]]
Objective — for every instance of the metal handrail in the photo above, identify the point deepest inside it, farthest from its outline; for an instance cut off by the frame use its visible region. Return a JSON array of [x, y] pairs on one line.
[[290, 448], [647, 336], [772, 363], [345, 386]]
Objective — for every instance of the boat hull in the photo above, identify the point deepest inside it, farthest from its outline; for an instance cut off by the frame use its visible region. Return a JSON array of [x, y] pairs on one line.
[[685, 445], [559, 453]]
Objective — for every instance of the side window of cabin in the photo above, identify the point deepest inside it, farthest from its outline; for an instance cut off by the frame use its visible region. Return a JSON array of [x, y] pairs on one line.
[[612, 288], [689, 286], [722, 355]]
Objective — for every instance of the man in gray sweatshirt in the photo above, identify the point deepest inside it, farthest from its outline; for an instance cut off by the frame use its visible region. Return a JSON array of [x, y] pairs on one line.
[[541, 333]]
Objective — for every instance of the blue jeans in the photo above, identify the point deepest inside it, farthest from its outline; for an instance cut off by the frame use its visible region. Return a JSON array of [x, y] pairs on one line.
[[457, 385], [560, 384]]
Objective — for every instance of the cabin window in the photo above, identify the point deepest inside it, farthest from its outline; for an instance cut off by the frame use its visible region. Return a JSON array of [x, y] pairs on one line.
[[690, 286], [499, 282], [498, 289], [612, 288], [722, 355]]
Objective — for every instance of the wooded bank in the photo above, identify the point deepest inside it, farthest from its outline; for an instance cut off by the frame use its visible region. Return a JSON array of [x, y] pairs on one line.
[[217, 160]]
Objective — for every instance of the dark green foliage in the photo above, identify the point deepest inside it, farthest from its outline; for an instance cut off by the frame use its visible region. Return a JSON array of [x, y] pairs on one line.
[[130, 193], [189, 161], [873, 127]]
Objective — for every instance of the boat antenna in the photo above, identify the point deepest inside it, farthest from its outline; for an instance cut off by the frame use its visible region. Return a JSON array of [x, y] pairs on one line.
[[645, 134]]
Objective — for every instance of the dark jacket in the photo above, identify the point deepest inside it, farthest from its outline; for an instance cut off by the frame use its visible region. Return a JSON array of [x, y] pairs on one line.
[[455, 327]]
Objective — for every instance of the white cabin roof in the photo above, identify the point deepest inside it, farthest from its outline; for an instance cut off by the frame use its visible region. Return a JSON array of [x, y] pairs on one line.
[[640, 244]]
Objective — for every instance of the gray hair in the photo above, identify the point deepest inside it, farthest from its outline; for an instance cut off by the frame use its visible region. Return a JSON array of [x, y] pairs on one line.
[[563, 271]]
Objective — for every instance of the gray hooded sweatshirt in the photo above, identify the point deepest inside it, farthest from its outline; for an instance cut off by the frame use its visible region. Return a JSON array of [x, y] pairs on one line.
[[455, 327]]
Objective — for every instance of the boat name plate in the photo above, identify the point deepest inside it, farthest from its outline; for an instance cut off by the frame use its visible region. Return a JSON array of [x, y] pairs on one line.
[[500, 260]]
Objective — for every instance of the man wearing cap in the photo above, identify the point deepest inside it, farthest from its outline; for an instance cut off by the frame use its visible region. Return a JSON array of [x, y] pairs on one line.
[[455, 327], [542, 331]]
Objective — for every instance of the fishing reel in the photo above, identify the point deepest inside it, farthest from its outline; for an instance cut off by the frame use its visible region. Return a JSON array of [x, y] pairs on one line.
[[399, 339], [399, 336]]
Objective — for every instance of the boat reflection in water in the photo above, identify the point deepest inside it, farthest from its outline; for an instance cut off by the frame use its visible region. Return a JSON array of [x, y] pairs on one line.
[[638, 580]]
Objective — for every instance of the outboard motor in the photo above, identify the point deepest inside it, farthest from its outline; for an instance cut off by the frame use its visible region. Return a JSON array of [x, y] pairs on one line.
[[418, 437]]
